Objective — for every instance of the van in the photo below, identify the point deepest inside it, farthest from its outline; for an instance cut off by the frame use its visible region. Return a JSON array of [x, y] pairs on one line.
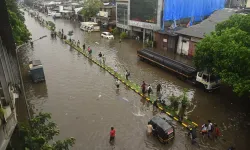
[[89, 26], [163, 128], [36, 71]]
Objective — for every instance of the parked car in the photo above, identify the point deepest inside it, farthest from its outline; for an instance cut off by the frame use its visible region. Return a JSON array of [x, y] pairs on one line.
[[107, 35]]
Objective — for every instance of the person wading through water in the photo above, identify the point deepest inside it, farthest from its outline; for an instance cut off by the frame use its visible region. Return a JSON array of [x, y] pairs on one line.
[[127, 74], [149, 90], [112, 135], [158, 88], [83, 46], [117, 82], [143, 87]]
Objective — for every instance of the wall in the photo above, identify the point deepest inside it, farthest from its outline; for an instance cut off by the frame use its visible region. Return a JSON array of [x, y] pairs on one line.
[[166, 42], [187, 48]]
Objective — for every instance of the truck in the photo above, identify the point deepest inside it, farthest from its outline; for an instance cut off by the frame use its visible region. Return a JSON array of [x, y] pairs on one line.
[[36, 71], [208, 81]]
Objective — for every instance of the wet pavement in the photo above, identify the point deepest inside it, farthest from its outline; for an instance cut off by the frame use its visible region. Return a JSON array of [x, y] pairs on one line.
[[84, 101]]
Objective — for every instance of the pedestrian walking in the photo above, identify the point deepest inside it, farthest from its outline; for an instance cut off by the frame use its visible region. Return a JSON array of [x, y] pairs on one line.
[[204, 130], [155, 105], [100, 57], [216, 131], [210, 129], [149, 129], [193, 135], [103, 59], [120, 40], [149, 89], [127, 74], [62, 31], [100, 54], [117, 83], [83, 46], [112, 135], [158, 88], [115, 69], [143, 87]]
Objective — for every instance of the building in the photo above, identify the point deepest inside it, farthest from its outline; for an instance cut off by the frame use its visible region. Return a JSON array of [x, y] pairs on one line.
[[9, 79], [188, 37], [139, 17], [167, 39], [145, 17], [122, 15], [107, 15]]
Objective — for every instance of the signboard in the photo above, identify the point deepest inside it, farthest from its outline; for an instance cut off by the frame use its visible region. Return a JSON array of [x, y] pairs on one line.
[[145, 14], [103, 14], [144, 10]]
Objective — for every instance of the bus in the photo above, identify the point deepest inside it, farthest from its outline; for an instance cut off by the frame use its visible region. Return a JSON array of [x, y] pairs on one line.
[[89, 26]]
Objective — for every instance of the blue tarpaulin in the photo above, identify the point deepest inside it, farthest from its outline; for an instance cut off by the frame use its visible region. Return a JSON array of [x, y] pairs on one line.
[[196, 9]]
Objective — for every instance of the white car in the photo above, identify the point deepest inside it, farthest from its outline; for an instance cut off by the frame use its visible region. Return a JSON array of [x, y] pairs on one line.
[[107, 35]]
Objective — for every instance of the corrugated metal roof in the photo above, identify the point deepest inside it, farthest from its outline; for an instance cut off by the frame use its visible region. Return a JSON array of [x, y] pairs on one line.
[[208, 25]]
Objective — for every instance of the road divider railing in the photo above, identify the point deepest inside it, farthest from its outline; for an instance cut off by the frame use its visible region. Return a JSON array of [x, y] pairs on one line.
[[187, 123]]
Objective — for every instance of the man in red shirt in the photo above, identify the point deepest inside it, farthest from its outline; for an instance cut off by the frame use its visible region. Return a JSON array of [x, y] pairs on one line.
[[112, 135]]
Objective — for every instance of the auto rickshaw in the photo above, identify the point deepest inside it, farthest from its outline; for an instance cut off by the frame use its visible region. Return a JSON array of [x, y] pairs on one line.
[[163, 128]]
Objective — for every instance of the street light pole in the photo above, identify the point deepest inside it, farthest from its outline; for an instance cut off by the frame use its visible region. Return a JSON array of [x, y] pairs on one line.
[[20, 74]]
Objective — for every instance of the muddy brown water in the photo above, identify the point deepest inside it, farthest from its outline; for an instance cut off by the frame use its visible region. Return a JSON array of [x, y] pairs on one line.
[[84, 101]]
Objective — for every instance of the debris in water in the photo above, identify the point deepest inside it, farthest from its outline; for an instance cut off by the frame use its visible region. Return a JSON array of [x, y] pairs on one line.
[[96, 43], [99, 96], [124, 98], [66, 114]]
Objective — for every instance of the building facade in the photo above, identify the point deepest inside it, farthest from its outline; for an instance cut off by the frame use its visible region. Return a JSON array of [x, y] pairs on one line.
[[141, 18], [9, 79], [122, 16]]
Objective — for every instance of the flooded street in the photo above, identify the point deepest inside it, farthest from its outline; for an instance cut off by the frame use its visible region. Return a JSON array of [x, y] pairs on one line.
[[85, 103]]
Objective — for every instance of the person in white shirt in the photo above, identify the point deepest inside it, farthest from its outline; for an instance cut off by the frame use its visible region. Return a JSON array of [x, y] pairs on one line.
[[117, 82], [149, 129], [210, 128]]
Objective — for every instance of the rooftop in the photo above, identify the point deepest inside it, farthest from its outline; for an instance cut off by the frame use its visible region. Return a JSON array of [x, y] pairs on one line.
[[208, 25]]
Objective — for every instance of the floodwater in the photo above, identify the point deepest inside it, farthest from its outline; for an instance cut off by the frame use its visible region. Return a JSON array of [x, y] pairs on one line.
[[85, 103]]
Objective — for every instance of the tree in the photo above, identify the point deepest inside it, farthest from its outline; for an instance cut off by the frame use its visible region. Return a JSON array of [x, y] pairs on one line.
[[226, 52], [38, 135], [91, 8], [19, 30]]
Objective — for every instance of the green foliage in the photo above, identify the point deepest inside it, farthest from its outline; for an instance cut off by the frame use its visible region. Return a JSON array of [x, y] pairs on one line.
[[1, 112], [175, 101], [115, 31], [149, 44], [91, 8], [226, 52], [19, 30], [39, 135], [52, 25], [123, 35], [184, 98]]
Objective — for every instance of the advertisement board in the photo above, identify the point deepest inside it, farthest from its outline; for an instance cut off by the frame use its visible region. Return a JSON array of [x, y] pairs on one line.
[[144, 11]]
